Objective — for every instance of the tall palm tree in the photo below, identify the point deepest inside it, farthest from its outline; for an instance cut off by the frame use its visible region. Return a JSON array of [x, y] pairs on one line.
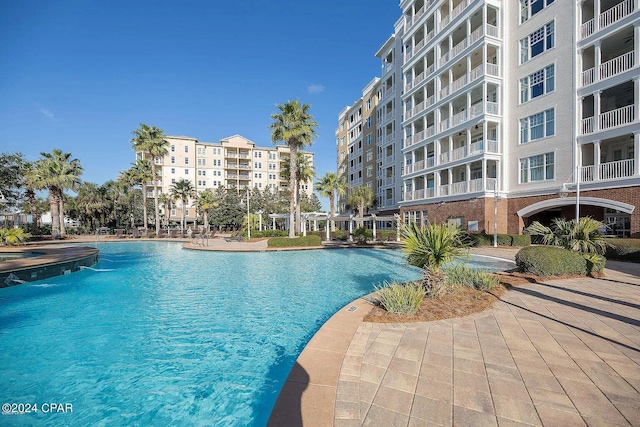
[[182, 190], [56, 172], [143, 174], [166, 200], [92, 203], [205, 201], [330, 186], [305, 172], [30, 181], [128, 180], [151, 141], [294, 126], [363, 198]]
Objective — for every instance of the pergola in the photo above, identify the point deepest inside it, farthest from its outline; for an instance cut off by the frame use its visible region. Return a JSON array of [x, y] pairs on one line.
[[323, 216]]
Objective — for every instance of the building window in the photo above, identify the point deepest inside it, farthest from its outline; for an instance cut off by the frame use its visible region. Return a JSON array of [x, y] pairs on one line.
[[201, 150], [186, 171], [257, 165], [201, 162], [369, 171], [173, 170], [537, 168], [369, 102], [369, 121], [537, 42], [173, 148], [369, 155], [173, 159], [528, 8], [186, 148], [369, 139], [186, 160], [537, 126], [173, 180], [537, 84]]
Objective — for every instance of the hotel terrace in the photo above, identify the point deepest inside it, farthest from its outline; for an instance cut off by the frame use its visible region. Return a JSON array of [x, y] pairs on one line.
[[518, 106]]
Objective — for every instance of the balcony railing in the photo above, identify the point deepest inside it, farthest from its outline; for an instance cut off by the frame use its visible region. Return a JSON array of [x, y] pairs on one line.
[[459, 187], [420, 107], [475, 185], [443, 190], [608, 17], [619, 169], [615, 118], [616, 65], [458, 153]]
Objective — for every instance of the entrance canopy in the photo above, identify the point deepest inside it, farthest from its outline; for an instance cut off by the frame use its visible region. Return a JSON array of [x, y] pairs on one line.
[[571, 201]]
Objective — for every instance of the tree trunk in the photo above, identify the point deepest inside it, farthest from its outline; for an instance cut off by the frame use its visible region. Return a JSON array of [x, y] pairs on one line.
[[332, 211], [298, 218], [293, 171], [144, 206], [361, 215], [132, 205], [206, 221], [183, 217], [55, 217], [63, 230], [155, 195]]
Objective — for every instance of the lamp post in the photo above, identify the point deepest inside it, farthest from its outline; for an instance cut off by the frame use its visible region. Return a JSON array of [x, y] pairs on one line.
[[564, 192], [260, 219], [495, 213]]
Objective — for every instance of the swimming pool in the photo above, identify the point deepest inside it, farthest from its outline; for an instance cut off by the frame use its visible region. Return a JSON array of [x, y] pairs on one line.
[[157, 335]]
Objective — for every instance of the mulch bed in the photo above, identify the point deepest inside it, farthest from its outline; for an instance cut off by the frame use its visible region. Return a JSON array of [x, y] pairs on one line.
[[462, 302]]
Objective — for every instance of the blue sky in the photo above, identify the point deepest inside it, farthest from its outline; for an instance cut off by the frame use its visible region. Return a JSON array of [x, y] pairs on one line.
[[81, 75]]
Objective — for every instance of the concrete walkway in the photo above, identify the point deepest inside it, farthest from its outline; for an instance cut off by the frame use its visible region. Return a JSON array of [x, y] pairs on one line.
[[556, 353]]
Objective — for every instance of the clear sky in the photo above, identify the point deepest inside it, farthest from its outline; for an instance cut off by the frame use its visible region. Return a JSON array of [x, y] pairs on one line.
[[81, 75]]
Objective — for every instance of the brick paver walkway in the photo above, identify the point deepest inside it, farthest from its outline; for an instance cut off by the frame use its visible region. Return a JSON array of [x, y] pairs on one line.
[[558, 353]]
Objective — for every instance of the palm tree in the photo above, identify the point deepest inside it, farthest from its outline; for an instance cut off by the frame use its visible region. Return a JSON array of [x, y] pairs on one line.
[[92, 202], [128, 180], [56, 172], [151, 141], [166, 200], [581, 236], [305, 172], [363, 198], [330, 186], [182, 190], [205, 201], [429, 248], [30, 181], [294, 126], [143, 174]]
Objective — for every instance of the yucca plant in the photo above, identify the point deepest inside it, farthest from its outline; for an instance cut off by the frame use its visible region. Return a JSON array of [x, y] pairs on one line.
[[13, 236], [400, 298], [578, 236], [431, 247]]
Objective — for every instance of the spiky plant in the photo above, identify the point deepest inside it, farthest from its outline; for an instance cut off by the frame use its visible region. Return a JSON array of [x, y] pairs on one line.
[[578, 236]]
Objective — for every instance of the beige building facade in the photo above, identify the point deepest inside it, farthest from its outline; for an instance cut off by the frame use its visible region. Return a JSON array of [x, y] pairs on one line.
[[233, 163]]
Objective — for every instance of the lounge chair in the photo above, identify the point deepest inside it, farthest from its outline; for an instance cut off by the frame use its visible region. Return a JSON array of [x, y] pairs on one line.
[[173, 233], [234, 239], [161, 234], [120, 233], [135, 233]]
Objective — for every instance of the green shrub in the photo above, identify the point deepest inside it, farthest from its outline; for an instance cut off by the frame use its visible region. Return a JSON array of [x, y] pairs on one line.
[[386, 235], [462, 275], [340, 234], [13, 236], [623, 249], [595, 263], [285, 242], [483, 239], [399, 298], [268, 233], [550, 261], [361, 234]]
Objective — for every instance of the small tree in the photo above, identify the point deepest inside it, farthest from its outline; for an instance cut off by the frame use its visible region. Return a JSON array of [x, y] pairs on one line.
[[579, 236], [431, 247]]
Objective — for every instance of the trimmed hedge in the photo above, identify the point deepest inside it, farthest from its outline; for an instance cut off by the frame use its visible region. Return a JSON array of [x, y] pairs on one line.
[[267, 233], [285, 242], [623, 249], [483, 239], [550, 261], [595, 263]]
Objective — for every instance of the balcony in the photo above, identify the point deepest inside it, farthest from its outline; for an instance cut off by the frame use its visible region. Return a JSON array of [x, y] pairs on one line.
[[420, 107], [608, 171], [610, 68], [420, 136], [607, 18], [609, 120]]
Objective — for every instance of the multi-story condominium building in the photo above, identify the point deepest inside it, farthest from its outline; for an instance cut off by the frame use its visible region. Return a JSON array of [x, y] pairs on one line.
[[502, 109], [355, 141], [234, 163]]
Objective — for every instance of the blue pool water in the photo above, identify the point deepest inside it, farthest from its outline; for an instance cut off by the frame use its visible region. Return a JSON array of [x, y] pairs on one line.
[[158, 335]]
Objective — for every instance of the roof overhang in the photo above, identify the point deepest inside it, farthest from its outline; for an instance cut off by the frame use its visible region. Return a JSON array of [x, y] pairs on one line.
[[570, 201]]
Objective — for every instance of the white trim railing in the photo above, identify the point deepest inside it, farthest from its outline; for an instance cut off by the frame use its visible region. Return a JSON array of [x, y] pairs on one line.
[[587, 28], [389, 159], [616, 65], [493, 108], [617, 169], [431, 161], [588, 76], [459, 8], [616, 13], [475, 185], [493, 69], [459, 153], [418, 194], [458, 118], [459, 187], [444, 157], [418, 166], [493, 31], [492, 146], [443, 190], [615, 118], [586, 173], [390, 181], [587, 125]]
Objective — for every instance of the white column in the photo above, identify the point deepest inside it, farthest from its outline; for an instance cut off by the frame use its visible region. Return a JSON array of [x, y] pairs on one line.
[[373, 221], [636, 152], [596, 110], [436, 184], [597, 60], [468, 142], [437, 149], [484, 174], [596, 14], [467, 173], [636, 98], [596, 160], [636, 37]]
